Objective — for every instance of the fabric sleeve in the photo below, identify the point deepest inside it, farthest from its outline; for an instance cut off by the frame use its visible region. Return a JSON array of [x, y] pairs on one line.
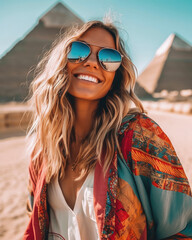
[[161, 181]]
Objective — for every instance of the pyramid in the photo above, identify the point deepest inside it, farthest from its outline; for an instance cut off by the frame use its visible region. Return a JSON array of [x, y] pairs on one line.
[[142, 93], [15, 66], [170, 69]]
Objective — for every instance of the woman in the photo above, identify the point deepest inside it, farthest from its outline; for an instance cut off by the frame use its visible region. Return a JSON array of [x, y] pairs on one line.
[[100, 170]]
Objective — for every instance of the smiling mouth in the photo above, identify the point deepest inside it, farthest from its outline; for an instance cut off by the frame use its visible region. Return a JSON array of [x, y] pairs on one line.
[[87, 78]]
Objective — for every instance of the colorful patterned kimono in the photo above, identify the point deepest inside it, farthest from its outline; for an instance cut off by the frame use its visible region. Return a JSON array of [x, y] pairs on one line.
[[144, 195]]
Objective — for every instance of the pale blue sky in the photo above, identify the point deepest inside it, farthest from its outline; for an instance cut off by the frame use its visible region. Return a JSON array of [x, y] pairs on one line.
[[147, 22]]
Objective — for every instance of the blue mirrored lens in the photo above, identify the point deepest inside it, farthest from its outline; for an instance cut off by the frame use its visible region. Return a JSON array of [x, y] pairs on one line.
[[110, 59], [79, 52]]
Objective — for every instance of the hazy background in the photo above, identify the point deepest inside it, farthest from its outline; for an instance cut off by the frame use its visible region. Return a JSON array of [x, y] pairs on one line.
[[147, 22]]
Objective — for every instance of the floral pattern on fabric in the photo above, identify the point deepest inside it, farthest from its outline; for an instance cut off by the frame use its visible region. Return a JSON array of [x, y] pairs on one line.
[[42, 212], [109, 223], [130, 219], [154, 157]]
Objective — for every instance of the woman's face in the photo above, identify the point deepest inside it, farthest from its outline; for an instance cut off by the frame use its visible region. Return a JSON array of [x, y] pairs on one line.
[[85, 89]]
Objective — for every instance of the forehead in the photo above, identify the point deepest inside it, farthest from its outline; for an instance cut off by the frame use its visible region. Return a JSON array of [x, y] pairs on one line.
[[99, 37]]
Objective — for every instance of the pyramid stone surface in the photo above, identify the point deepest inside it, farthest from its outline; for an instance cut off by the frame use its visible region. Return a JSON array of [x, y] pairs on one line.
[[15, 66], [171, 68], [142, 93], [59, 16]]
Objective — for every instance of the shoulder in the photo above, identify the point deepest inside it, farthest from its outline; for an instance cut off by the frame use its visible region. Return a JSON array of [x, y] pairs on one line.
[[137, 119], [139, 133], [142, 127]]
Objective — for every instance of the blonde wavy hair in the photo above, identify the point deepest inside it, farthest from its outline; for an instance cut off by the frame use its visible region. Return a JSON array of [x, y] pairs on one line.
[[54, 116]]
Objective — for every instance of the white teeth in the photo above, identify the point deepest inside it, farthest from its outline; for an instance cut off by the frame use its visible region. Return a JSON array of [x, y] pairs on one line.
[[88, 78]]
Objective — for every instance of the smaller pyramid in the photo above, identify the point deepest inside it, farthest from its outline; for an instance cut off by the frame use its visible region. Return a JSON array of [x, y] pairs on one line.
[[170, 69], [175, 42]]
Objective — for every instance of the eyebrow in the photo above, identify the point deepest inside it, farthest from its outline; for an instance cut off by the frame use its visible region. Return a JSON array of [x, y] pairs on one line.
[[95, 45]]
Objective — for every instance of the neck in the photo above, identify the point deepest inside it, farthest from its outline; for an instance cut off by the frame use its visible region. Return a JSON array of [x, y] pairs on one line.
[[84, 117]]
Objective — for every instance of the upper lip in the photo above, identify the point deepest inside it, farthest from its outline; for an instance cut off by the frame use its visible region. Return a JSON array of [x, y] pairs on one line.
[[89, 74]]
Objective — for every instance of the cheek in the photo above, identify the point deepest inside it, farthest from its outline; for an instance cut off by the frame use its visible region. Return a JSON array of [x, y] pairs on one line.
[[109, 76], [70, 68], [109, 81]]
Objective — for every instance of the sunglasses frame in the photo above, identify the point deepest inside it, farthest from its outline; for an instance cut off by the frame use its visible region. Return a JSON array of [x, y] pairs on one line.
[[87, 44]]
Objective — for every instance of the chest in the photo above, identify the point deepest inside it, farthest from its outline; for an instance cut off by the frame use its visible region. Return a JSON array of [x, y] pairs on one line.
[[70, 186], [76, 223]]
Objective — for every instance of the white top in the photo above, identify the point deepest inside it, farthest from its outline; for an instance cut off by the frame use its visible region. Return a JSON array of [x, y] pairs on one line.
[[79, 223]]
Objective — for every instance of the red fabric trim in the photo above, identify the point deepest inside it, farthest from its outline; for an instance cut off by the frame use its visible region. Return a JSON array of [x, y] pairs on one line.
[[33, 231], [126, 143], [144, 234], [100, 195], [28, 235], [178, 236]]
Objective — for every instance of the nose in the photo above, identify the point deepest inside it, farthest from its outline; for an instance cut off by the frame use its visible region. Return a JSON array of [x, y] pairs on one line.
[[92, 61]]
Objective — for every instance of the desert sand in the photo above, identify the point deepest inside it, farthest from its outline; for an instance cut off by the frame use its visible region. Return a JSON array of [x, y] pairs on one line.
[[13, 187], [14, 173]]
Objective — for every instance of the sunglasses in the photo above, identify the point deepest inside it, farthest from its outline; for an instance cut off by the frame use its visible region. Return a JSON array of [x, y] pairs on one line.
[[109, 59]]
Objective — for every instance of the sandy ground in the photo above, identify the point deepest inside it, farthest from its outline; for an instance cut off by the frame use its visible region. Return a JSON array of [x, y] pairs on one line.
[[13, 188], [14, 174]]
